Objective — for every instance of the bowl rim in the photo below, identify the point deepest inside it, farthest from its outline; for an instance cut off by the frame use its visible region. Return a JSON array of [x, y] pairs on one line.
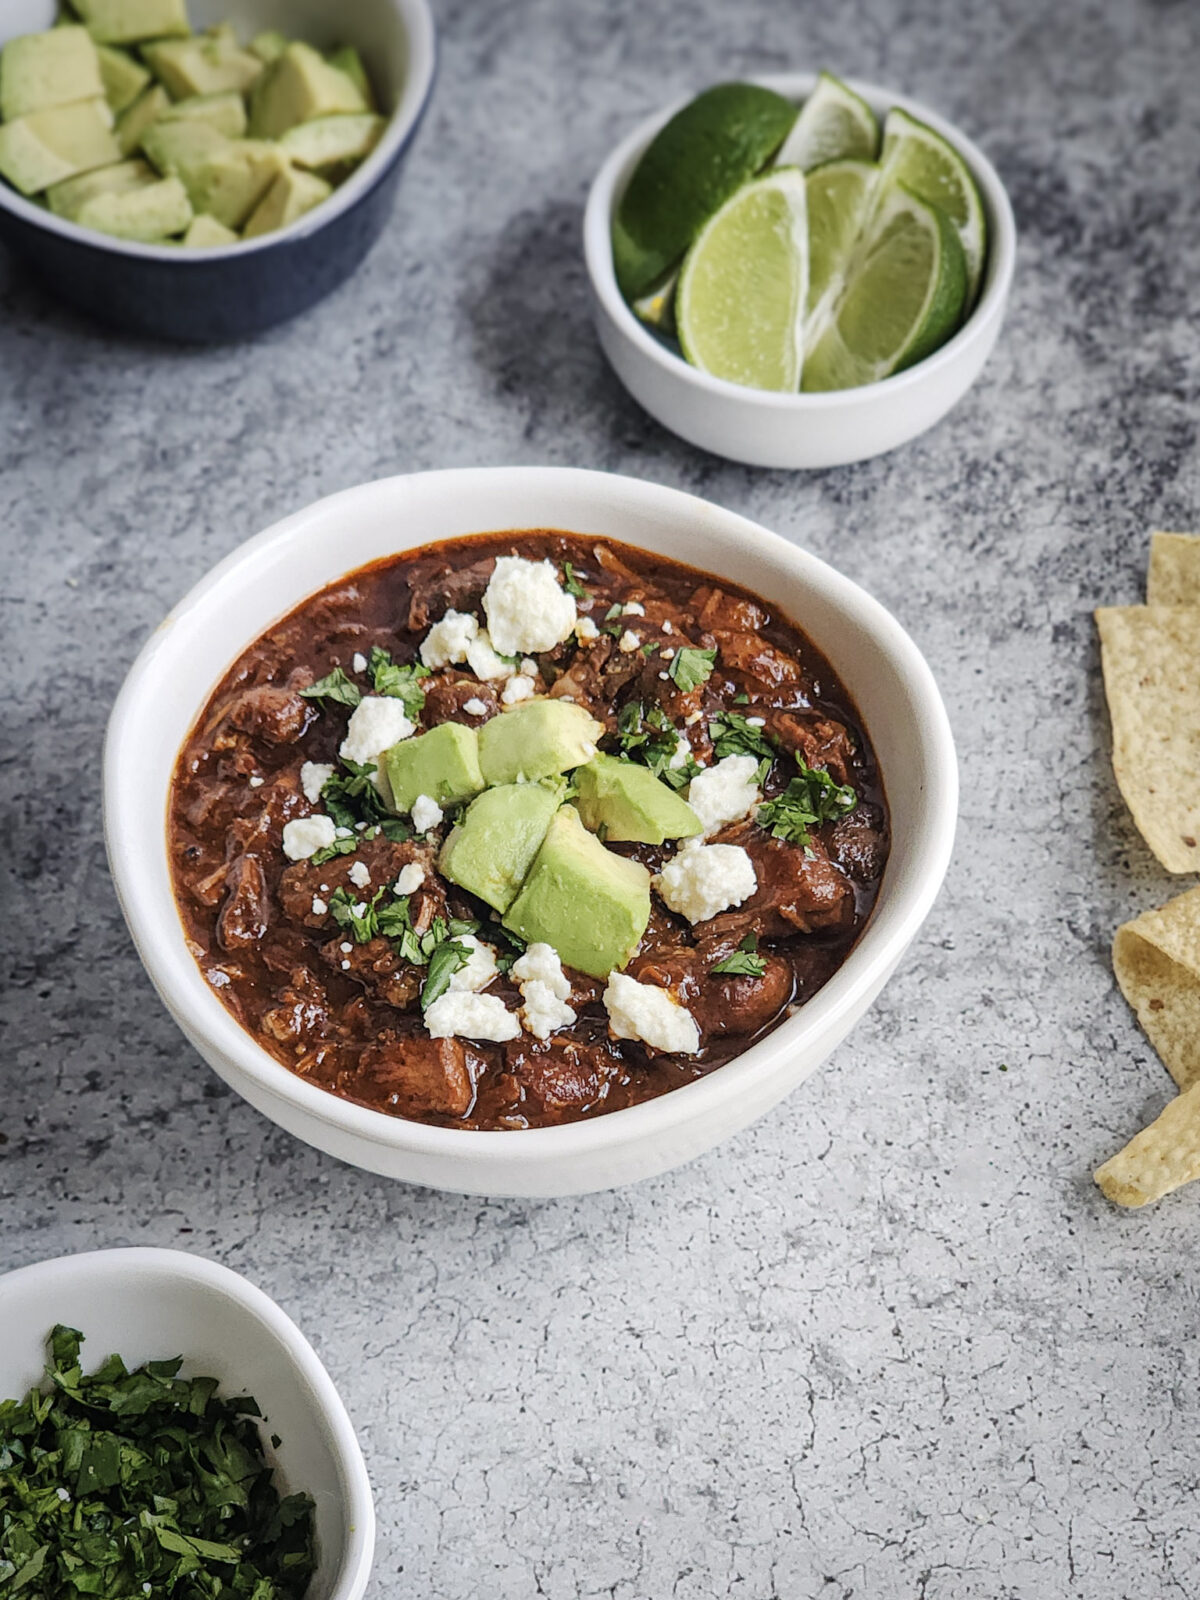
[[132, 1262], [597, 246], [420, 70], [157, 930]]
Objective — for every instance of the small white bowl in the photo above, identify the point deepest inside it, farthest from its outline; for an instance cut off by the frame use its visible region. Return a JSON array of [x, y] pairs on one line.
[[765, 429], [153, 1304], [170, 683]]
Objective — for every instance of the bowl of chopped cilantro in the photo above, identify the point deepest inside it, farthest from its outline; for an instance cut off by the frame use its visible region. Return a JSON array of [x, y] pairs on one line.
[[166, 1430]]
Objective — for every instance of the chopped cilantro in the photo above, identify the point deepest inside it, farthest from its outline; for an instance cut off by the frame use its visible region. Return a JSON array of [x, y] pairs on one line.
[[336, 687], [396, 830], [651, 646], [339, 847], [350, 796], [646, 734], [679, 777], [690, 667], [362, 926], [741, 699], [744, 962], [397, 682], [732, 735], [615, 610], [513, 947], [571, 583], [445, 959], [807, 802]]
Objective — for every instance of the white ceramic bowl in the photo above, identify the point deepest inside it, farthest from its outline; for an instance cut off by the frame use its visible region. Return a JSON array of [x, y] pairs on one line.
[[173, 677], [794, 430], [152, 1304]]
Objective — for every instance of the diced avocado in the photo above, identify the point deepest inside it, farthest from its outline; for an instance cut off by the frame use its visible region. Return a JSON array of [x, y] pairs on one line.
[[40, 70], [624, 801], [492, 849], [443, 763], [65, 198], [590, 904], [297, 86], [47, 146], [123, 77], [327, 141], [268, 45], [130, 21], [286, 201], [225, 112], [132, 125], [348, 60], [181, 148], [208, 63], [152, 212], [230, 184], [537, 739], [206, 233]]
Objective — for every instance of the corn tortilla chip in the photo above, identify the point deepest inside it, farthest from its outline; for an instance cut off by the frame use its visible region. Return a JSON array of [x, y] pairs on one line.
[[1151, 660], [1174, 576], [1162, 1157], [1157, 962]]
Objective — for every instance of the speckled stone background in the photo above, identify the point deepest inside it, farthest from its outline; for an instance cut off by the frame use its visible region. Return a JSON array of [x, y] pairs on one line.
[[891, 1342]]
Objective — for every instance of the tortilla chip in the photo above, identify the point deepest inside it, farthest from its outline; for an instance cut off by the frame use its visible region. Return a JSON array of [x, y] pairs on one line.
[[1174, 576], [1157, 962], [1162, 1157], [1151, 660]]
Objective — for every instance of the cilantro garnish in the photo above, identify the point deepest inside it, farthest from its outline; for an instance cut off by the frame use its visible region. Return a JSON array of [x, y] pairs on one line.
[[807, 802], [690, 667], [679, 777], [336, 687], [646, 734], [339, 847], [744, 962], [515, 946], [615, 610], [350, 796], [732, 735], [121, 1482], [362, 926], [397, 682], [571, 583], [445, 959]]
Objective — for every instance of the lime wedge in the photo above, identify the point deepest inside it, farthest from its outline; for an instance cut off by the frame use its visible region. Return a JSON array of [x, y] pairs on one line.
[[919, 158], [840, 195], [834, 124], [657, 309], [687, 172], [903, 298], [740, 302]]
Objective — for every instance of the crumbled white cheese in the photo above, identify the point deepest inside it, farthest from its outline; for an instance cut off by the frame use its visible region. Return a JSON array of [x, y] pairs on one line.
[[540, 963], [724, 793], [475, 707], [459, 1014], [447, 641], [314, 775], [629, 642], [586, 630], [756, 722], [378, 722], [483, 660], [304, 836], [542, 1011], [704, 879], [426, 813], [345, 947], [257, 783], [683, 753], [692, 718], [360, 910], [411, 878], [319, 906], [666, 626], [518, 687], [360, 875], [664, 676], [359, 661], [527, 607], [668, 655], [63, 1494], [529, 666], [643, 1011], [345, 966], [481, 966], [634, 608]]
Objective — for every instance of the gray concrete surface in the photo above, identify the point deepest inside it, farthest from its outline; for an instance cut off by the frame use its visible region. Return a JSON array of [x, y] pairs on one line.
[[892, 1342]]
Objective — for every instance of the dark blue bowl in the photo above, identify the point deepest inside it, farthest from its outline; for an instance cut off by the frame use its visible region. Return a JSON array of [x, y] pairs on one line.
[[203, 296]]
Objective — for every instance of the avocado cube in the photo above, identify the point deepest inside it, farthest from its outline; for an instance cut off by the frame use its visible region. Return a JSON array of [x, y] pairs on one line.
[[232, 181], [47, 146], [65, 198], [225, 112], [297, 86], [443, 763], [348, 60], [623, 801], [123, 77], [208, 63], [150, 212], [492, 849], [329, 141], [130, 21], [590, 904], [537, 739], [40, 70], [133, 124], [180, 148], [286, 201], [268, 45], [206, 233]]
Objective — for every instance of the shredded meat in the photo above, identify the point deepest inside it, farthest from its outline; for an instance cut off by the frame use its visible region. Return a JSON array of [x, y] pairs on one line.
[[562, 1074], [414, 1074], [724, 1005], [275, 714], [436, 586], [244, 917], [446, 697], [799, 890]]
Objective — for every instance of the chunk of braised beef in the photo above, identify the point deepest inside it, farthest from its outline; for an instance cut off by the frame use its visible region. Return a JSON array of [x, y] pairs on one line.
[[275, 713], [303, 883], [246, 913], [819, 740], [446, 699], [560, 1074], [758, 658], [800, 890], [377, 967], [436, 587], [301, 1010], [715, 608], [583, 680], [723, 1004], [418, 1076], [859, 843]]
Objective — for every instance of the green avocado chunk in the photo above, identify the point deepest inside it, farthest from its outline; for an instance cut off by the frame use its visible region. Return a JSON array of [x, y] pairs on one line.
[[348, 60], [537, 739], [134, 123], [123, 77], [327, 141], [590, 904], [206, 64], [443, 763], [39, 70], [225, 112], [269, 44], [149, 212], [206, 233], [67, 198], [492, 849], [130, 21], [287, 200], [224, 177], [47, 146], [626, 802], [297, 86]]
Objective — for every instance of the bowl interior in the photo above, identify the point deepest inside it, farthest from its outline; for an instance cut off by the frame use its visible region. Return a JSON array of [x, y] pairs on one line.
[[147, 1304]]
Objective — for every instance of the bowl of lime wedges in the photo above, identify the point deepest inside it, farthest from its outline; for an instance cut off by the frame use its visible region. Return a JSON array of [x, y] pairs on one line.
[[798, 271]]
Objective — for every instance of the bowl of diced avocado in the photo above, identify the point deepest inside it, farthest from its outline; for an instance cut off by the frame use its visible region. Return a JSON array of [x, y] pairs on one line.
[[203, 169]]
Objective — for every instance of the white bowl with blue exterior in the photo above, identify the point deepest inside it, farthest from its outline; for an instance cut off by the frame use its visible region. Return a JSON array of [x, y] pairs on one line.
[[767, 429], [170, 684], [147, 1304]]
